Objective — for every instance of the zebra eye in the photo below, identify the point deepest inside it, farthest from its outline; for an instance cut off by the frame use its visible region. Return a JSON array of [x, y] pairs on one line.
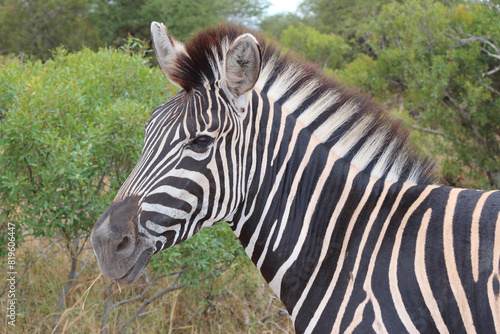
[[201, 142]]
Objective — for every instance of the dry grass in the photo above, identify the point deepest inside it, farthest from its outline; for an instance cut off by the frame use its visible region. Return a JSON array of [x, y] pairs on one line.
[[239, 301]]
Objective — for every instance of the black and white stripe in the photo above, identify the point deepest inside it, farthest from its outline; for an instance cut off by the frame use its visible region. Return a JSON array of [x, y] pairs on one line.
[[321, 189]]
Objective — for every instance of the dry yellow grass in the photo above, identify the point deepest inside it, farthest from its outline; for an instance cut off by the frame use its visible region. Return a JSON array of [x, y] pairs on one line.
[[239, 301]]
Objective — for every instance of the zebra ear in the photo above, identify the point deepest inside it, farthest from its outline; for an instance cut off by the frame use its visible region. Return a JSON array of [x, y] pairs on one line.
[[166, 48], [242, 66]]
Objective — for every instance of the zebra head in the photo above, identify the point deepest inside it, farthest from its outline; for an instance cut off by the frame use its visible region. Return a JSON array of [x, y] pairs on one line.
[[191, 147]]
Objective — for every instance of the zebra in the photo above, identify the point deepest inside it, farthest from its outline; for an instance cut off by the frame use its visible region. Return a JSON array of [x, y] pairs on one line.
[[333, 206]]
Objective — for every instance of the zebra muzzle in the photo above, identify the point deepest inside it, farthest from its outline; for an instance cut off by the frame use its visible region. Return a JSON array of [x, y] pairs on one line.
[[122, 253]]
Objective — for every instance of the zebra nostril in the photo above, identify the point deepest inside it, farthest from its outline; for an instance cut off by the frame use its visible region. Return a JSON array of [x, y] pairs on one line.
[[123, 244]]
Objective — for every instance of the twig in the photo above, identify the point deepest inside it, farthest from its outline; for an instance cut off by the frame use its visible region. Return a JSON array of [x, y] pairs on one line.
[[497, 56], [466, 117], [493, 90], [265, 320], [278, 326], [483, 39], [79, 251], [29, 263], [491, 5], [68, 285], [431, 131], [149, 312], [107, 307], [493, 71], [172, 313], [101, 180], [471, 39], [139, 296], [172, 287], [419, 128]]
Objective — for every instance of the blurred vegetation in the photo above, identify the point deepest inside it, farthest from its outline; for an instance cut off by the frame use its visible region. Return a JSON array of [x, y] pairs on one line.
[[327, 50], [115, 19], [33, 28], [434, 64], [71, 129], [443, 60]]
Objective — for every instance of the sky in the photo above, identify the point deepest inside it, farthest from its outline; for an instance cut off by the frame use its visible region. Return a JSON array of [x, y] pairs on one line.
[[283, 6]]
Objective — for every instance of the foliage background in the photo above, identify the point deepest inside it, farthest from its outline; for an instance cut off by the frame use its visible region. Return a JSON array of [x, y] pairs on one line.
[[77, 85]]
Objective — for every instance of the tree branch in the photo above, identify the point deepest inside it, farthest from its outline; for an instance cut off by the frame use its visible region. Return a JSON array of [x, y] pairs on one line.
[[493, 71], [139, 296], [419, 128], [491, 5], [497, 56], [172, 287], [483, 39], [493, 90]]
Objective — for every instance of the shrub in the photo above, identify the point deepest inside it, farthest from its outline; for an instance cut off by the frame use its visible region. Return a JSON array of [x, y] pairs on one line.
[[71, 131], [441, 64]]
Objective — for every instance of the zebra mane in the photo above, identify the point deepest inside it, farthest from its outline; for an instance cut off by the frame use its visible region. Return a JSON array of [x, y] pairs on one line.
[[357, 129]]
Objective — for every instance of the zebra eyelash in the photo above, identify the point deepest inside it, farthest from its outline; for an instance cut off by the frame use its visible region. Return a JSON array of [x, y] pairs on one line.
[[201, 143]]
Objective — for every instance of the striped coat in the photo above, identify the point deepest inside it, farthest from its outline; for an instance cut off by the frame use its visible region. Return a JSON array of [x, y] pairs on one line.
[[319, 185]]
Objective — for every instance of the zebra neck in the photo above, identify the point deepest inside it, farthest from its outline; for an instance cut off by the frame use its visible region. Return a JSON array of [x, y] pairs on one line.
[[294, 239], [301, 201]]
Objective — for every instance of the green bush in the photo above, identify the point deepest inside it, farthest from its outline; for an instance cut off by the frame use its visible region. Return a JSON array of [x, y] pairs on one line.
[[439, 63], [71, 131], [33, 28], [328, 50]]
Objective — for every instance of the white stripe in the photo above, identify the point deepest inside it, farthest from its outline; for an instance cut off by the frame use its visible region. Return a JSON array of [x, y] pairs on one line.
[[164, 210], [421, 274], [300, 95], [265, 73], [384, 160], [263, 163], [352, 136], [298, 176], [359, 254], [494, 299], [397, 166], [162, 229], [181, 194], [318, 107], [326, 245], [367, 283], [266, 246], [335, 121], [369, 150], [451, 263], [277, 181], [474, 235], [297, 248], [284, 81], [393, 265]]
